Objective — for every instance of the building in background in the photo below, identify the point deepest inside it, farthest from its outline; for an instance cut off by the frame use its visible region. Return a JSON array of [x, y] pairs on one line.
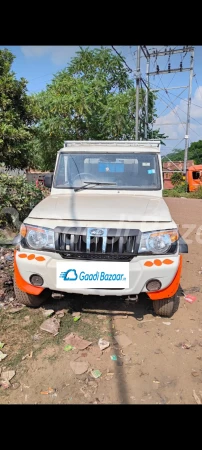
[[169, 167]]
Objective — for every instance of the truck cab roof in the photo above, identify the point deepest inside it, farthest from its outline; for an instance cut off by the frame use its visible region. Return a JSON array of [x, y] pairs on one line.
[[194, 168], [152, 146]]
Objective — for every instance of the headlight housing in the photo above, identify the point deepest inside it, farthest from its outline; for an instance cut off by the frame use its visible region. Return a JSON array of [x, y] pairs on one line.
[[37, 238], [159, 242]]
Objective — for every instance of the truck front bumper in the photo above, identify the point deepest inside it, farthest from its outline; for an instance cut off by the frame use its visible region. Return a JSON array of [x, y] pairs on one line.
[[166, 269]]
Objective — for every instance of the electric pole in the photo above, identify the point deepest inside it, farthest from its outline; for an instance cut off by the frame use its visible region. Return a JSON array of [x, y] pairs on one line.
[[188, 112], [168, 53], [137, 94], [147, 56], [147, 99]]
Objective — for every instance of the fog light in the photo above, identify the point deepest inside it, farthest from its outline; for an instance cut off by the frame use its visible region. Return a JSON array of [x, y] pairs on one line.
[[153, 285], [36, 280]]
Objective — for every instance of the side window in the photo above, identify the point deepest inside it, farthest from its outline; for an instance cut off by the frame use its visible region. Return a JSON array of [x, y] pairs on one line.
[[196, 175], [61, 171]]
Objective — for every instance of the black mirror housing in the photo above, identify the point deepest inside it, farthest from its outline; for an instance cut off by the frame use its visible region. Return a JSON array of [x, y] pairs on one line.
[[48, 180]]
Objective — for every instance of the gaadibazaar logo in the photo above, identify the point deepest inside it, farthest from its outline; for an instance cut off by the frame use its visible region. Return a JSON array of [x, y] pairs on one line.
[[72, 275]]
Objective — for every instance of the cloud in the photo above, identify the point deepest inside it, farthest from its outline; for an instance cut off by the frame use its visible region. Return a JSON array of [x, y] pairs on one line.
[[58, 54], [170, 123]]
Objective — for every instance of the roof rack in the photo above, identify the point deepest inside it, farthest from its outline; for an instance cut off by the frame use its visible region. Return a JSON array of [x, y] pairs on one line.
[[149, 143]]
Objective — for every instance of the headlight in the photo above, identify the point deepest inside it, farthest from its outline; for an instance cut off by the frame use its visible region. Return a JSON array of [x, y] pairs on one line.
[[158, 242], [37, 238]]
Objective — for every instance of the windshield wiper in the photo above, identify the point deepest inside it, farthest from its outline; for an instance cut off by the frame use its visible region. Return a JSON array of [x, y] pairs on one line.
[[96, 183]]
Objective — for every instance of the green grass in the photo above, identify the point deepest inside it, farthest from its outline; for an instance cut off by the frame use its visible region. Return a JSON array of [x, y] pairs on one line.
[[18, 334], [174, 193], [16, 359], [88, 331], [52, 358], [67, 325]]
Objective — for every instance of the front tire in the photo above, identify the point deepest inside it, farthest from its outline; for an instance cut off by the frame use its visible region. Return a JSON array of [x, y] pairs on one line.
[[32, 301], [166, 307]]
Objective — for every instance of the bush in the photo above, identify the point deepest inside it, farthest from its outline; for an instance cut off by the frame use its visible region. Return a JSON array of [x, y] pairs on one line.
[[176, 178], [182, 187], [21, 196], [196, 194], [171, 193], [178, 191]]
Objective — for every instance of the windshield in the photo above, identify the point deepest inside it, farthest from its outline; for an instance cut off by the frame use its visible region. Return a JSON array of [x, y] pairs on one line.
[[138, 171]]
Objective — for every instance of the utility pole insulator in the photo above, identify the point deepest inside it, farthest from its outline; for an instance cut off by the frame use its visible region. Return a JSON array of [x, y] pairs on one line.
[[154, 54]]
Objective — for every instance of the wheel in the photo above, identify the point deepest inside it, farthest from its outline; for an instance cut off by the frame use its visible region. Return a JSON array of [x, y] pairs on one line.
[[30, 300], [166, 307]]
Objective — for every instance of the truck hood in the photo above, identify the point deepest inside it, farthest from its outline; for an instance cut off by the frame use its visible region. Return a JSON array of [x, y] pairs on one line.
[[111, 207]]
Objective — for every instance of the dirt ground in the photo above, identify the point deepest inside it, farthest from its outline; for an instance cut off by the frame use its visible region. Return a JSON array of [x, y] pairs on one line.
[[162, 363]]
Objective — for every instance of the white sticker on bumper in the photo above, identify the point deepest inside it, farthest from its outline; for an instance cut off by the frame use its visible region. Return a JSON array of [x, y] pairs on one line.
[[92, 274]]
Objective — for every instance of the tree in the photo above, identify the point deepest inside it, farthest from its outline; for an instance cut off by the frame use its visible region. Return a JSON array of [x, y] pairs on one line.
[[18, 112], [194, 152], [93, 98]]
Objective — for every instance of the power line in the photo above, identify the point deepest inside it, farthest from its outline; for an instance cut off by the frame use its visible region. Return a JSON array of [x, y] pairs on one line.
[[170, 52], [190, 117], [172, 123], [184, 100], [178, 96], [144, 83], [170, 170], [168, 106], [170, 100], [174, 107], [168, 146], [197, 85], [171, 139], [177, 143], [171, 80], [123, 59], [164, 69], [181, 69]]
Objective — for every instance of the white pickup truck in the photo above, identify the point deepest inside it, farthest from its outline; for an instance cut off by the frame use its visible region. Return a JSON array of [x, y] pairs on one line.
[[103, 230]]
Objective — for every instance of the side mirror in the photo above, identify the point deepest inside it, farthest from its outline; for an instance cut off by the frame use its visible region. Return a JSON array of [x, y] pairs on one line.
[[183, 247], [48, 180], [17, 239]]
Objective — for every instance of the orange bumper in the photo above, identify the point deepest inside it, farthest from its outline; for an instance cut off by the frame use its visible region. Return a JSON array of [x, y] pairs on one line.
[[171, 289], [22, 284]]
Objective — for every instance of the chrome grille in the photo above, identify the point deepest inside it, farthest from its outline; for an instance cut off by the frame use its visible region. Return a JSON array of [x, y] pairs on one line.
[[121, 245]]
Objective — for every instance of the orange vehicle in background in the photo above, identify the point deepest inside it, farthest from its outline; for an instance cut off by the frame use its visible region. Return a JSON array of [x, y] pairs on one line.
[[194, 177]]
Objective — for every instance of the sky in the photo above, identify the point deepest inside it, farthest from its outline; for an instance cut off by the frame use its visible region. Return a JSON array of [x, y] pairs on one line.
[[38, 64]]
